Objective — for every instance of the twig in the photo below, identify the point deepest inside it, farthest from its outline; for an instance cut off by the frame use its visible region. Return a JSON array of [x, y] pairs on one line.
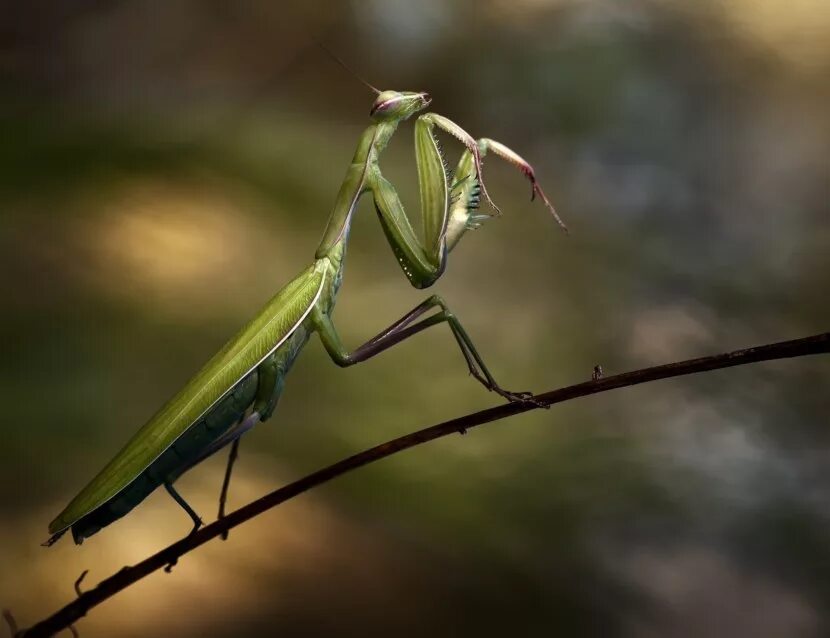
[[7, 616], [78, 581], [78, 608]]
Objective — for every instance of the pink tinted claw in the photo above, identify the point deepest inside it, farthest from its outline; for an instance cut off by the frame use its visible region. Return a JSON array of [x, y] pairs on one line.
[[527, 170], [537, 190]]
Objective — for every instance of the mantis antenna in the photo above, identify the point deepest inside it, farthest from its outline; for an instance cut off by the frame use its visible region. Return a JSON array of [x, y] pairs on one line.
[[337, 59]]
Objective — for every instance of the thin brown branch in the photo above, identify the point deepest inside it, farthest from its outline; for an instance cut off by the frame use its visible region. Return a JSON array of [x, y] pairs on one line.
[[78, 608]]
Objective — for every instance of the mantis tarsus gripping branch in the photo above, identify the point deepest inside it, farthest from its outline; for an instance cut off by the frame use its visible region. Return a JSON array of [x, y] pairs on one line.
[[241, 384]]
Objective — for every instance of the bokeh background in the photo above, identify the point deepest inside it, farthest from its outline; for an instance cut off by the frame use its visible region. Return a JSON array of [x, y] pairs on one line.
[[165, 167]]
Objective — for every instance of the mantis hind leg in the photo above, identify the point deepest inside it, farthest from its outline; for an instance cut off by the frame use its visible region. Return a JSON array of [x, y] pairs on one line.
[[197, 522], [410, 325], [226, 483], [269, 388]]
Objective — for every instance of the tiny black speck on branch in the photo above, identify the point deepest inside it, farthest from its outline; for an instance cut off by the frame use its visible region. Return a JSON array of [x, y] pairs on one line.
[[127, 576]]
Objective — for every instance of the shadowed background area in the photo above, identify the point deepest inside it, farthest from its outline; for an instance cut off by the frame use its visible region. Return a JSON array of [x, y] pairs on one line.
[[166, 167]]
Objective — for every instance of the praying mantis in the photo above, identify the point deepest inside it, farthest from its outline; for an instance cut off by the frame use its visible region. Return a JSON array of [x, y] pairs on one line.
[[240, 386]]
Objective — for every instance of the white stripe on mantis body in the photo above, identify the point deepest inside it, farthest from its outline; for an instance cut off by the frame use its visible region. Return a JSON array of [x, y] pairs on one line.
[[263, 358]]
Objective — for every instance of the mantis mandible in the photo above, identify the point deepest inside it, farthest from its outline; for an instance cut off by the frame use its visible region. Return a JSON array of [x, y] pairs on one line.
[[240, 386]]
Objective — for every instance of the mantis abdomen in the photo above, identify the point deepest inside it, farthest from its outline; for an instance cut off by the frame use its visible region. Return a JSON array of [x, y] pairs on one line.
[[192, 446], [219, 409]]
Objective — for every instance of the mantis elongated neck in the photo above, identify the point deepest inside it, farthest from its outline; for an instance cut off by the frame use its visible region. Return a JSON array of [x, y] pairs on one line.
[[365, 161]]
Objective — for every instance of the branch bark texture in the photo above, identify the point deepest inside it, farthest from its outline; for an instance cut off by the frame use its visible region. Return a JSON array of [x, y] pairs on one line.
[[78, 608]]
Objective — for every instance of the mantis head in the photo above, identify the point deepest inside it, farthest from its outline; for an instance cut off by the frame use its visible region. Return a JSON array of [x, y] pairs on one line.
[[398, 105]]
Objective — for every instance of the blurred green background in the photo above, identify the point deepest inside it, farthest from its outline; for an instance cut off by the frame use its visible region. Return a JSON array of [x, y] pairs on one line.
[[165, 167]]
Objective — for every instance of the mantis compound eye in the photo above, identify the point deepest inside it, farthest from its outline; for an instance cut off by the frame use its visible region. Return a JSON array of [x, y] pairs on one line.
[[385, 101]]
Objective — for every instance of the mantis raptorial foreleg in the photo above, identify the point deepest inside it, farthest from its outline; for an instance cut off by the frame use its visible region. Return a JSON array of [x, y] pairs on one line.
[[497, 148], [424, 261], [448, 202], [465, 189], [404, 328]]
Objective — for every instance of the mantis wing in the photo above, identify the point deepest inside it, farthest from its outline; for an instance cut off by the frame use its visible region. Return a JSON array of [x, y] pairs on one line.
[[265, 333]]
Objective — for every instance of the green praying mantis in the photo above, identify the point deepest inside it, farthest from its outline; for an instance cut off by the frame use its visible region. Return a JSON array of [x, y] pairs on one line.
[[240, 386]]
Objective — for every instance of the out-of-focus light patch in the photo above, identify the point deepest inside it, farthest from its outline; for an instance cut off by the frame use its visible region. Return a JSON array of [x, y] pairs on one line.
[[406, 28], [665, 333], [770, 222], [524, 8], [798, 30], [171, 243], [206, 579], [220, 581], [697, 591], [635, 188], [175, 247], [583, 17], [720, 444], [168, 241]]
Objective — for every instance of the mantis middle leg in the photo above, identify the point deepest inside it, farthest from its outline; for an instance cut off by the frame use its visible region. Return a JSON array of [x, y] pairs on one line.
[[406, 327]]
